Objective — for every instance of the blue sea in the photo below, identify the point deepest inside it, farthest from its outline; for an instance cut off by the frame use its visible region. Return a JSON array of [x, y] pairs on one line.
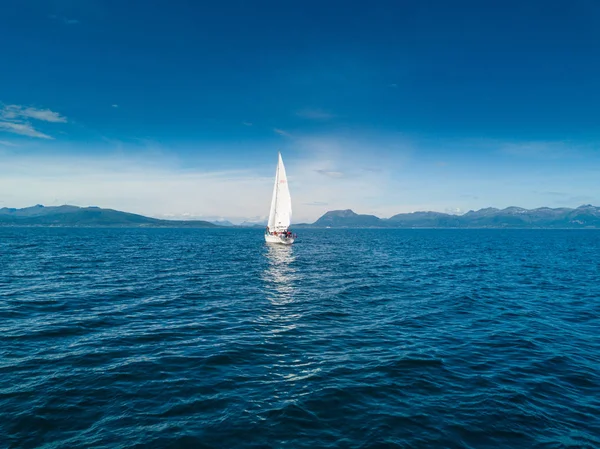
[[209, 338]]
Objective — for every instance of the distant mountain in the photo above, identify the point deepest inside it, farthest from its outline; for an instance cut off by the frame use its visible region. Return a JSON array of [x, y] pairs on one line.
[[348, 218], [87, 217], [225, 223], [424, 219], [254, 224], [586, 216]]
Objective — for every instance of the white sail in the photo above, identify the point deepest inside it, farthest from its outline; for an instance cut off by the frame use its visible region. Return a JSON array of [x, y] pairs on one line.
[[280, 215]]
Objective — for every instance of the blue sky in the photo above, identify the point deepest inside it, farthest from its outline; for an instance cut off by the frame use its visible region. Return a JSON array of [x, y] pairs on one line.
[[178, 108]]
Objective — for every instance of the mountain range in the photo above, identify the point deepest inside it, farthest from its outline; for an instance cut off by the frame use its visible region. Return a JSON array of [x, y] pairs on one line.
[[87, 217], [586, 216]]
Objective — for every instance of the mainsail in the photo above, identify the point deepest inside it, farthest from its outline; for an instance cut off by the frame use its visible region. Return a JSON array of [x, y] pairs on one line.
[[280, 215]]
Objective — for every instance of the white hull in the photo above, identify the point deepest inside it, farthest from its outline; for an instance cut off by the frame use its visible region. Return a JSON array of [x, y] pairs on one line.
[[278, 239]]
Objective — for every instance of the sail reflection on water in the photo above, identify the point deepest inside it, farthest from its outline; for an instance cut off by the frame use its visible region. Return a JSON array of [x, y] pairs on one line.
[[283, 333], [280, 275]]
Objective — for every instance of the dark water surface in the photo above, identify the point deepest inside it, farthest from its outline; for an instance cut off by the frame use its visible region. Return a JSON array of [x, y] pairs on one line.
[[357, 338]]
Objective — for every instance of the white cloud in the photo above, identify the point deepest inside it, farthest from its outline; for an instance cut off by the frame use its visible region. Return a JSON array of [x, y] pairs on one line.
[[13, 120], [13, 111], [281, 132], [315, 114], [330, 173], [8, 144], [542, 149], [24, 129], [115, 105], [246, 123], [316, 203]]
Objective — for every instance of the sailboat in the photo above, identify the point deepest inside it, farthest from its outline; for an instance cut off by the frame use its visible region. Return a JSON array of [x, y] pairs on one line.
[[280, 215]]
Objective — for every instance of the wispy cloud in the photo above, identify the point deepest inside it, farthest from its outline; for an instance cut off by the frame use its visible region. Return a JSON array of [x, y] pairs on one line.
[[281, 132], [8, 144], [562, 198], [64, 20], [115, 105], [316, 203], [13, 111], [541, 149], [246, 123], [567, 200], [315, 114], [330, 173], [393, 86], [24, 129], [580, 199], [454, 211], [13, 119], [555, 193]]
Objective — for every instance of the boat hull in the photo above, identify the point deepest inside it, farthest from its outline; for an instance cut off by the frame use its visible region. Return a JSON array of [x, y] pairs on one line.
[[278, 239]]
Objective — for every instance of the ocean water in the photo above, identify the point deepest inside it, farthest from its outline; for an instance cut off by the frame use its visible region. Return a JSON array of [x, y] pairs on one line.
[[177, 338]]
